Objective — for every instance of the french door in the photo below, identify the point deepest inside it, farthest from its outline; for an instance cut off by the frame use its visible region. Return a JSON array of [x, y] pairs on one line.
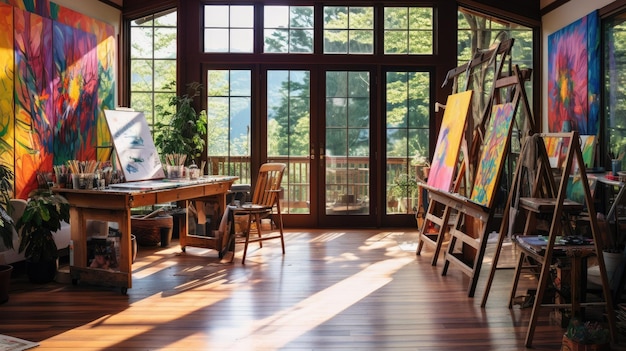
[[320, 123]]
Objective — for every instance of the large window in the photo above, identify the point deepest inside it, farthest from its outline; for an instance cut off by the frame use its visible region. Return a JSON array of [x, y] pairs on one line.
[[478, 32], [615, 84], [153, 63]]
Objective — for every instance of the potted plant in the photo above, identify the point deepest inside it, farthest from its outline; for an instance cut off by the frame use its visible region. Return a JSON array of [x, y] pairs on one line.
[[43, 216], [403, 188], [6, 227], [182, 130], [586, 336]]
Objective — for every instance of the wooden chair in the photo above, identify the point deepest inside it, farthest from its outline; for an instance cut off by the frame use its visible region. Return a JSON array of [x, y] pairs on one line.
[[265, 198]]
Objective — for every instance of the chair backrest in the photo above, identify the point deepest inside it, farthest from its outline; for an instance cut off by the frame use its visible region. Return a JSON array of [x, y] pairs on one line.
[[267, 188]]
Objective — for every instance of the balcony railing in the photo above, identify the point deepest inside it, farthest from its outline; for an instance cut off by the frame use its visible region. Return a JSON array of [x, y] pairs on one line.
[[346, 178]]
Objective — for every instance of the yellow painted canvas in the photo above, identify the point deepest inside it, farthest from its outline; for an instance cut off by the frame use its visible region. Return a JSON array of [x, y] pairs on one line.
[[446, 157]]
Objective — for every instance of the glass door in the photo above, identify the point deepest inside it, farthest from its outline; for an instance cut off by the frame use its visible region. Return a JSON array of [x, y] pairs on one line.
[[346, 153]]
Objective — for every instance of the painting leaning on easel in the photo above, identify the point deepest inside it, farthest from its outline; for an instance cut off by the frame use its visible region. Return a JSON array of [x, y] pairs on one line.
[[493, 152], [445, 159]]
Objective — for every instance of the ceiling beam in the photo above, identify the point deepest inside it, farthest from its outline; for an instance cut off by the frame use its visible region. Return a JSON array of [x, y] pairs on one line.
[[552, 6], [113, 3]]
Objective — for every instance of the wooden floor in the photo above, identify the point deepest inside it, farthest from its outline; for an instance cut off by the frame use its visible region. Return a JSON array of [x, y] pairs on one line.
[[332, 290]]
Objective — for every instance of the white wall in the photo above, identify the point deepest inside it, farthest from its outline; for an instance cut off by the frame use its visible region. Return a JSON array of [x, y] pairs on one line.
[[553, 21]]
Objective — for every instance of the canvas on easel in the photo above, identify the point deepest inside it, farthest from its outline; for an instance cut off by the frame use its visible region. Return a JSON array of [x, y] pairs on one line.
[[492, 155], [445, 159], [134, 145]]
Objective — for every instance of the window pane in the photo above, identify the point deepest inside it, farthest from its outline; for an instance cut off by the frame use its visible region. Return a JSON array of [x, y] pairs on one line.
[[408, 30], [242, 17], [280, 33], [228, 29], [276, 16], [241, 40], [165, 72], [141, 75], [288, 133], [141, 43], [407, 122], [216, 40], [153, 64], [165, 43], [229, 116], [216, 16], [166, 20], [347, 143], [348, 30]]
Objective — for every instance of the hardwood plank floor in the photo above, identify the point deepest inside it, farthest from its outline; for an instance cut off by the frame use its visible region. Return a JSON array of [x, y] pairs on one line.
[[332, 290]]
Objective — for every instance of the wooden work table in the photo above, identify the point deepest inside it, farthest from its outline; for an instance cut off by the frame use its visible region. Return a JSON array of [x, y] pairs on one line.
[[114, 204]]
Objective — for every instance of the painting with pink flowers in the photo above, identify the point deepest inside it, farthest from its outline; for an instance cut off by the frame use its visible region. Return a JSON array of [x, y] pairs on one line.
[[574, 76]]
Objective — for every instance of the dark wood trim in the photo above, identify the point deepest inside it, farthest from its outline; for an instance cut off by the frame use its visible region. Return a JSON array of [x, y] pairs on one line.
[[112, 4], [612, 8], [512, 12], [552, 6]]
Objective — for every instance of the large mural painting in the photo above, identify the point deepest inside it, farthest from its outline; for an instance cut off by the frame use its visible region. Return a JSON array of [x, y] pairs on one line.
[[7, 112], [57, 80]]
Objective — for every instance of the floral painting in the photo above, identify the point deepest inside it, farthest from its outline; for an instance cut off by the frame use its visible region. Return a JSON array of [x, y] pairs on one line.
[[574, 76], [446, 157], [492, 154]]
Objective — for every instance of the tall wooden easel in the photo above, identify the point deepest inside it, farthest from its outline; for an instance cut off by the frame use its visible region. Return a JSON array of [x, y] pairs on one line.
[[435, 225], [467, 245], [546, 198]]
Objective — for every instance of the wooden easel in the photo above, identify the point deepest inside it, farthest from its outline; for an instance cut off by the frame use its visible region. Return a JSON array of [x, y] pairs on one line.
[[435, 224], [468, 231], [549, 199]]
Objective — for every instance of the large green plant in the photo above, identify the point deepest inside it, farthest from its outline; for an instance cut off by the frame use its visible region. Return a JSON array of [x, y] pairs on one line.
[[182, 130], [43, 216], [6, 192]]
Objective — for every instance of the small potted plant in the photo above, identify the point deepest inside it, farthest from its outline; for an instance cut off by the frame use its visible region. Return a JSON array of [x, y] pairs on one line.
[[43, 216], [403, 188], [6, 227], [586, 336], [182, 129]]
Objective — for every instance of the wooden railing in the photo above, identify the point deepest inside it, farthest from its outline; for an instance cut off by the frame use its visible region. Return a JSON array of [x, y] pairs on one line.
[[345, 176]]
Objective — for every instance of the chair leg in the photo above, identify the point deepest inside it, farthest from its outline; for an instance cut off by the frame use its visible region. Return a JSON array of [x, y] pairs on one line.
[[245, 246], [257, 220], [280, 229]]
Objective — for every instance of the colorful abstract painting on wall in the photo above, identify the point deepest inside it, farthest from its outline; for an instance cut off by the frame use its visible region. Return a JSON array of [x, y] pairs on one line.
[[7, 112], [34, 105], [445, 159], [574, 76], [58, 79], [492, 154], [76, 88]]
